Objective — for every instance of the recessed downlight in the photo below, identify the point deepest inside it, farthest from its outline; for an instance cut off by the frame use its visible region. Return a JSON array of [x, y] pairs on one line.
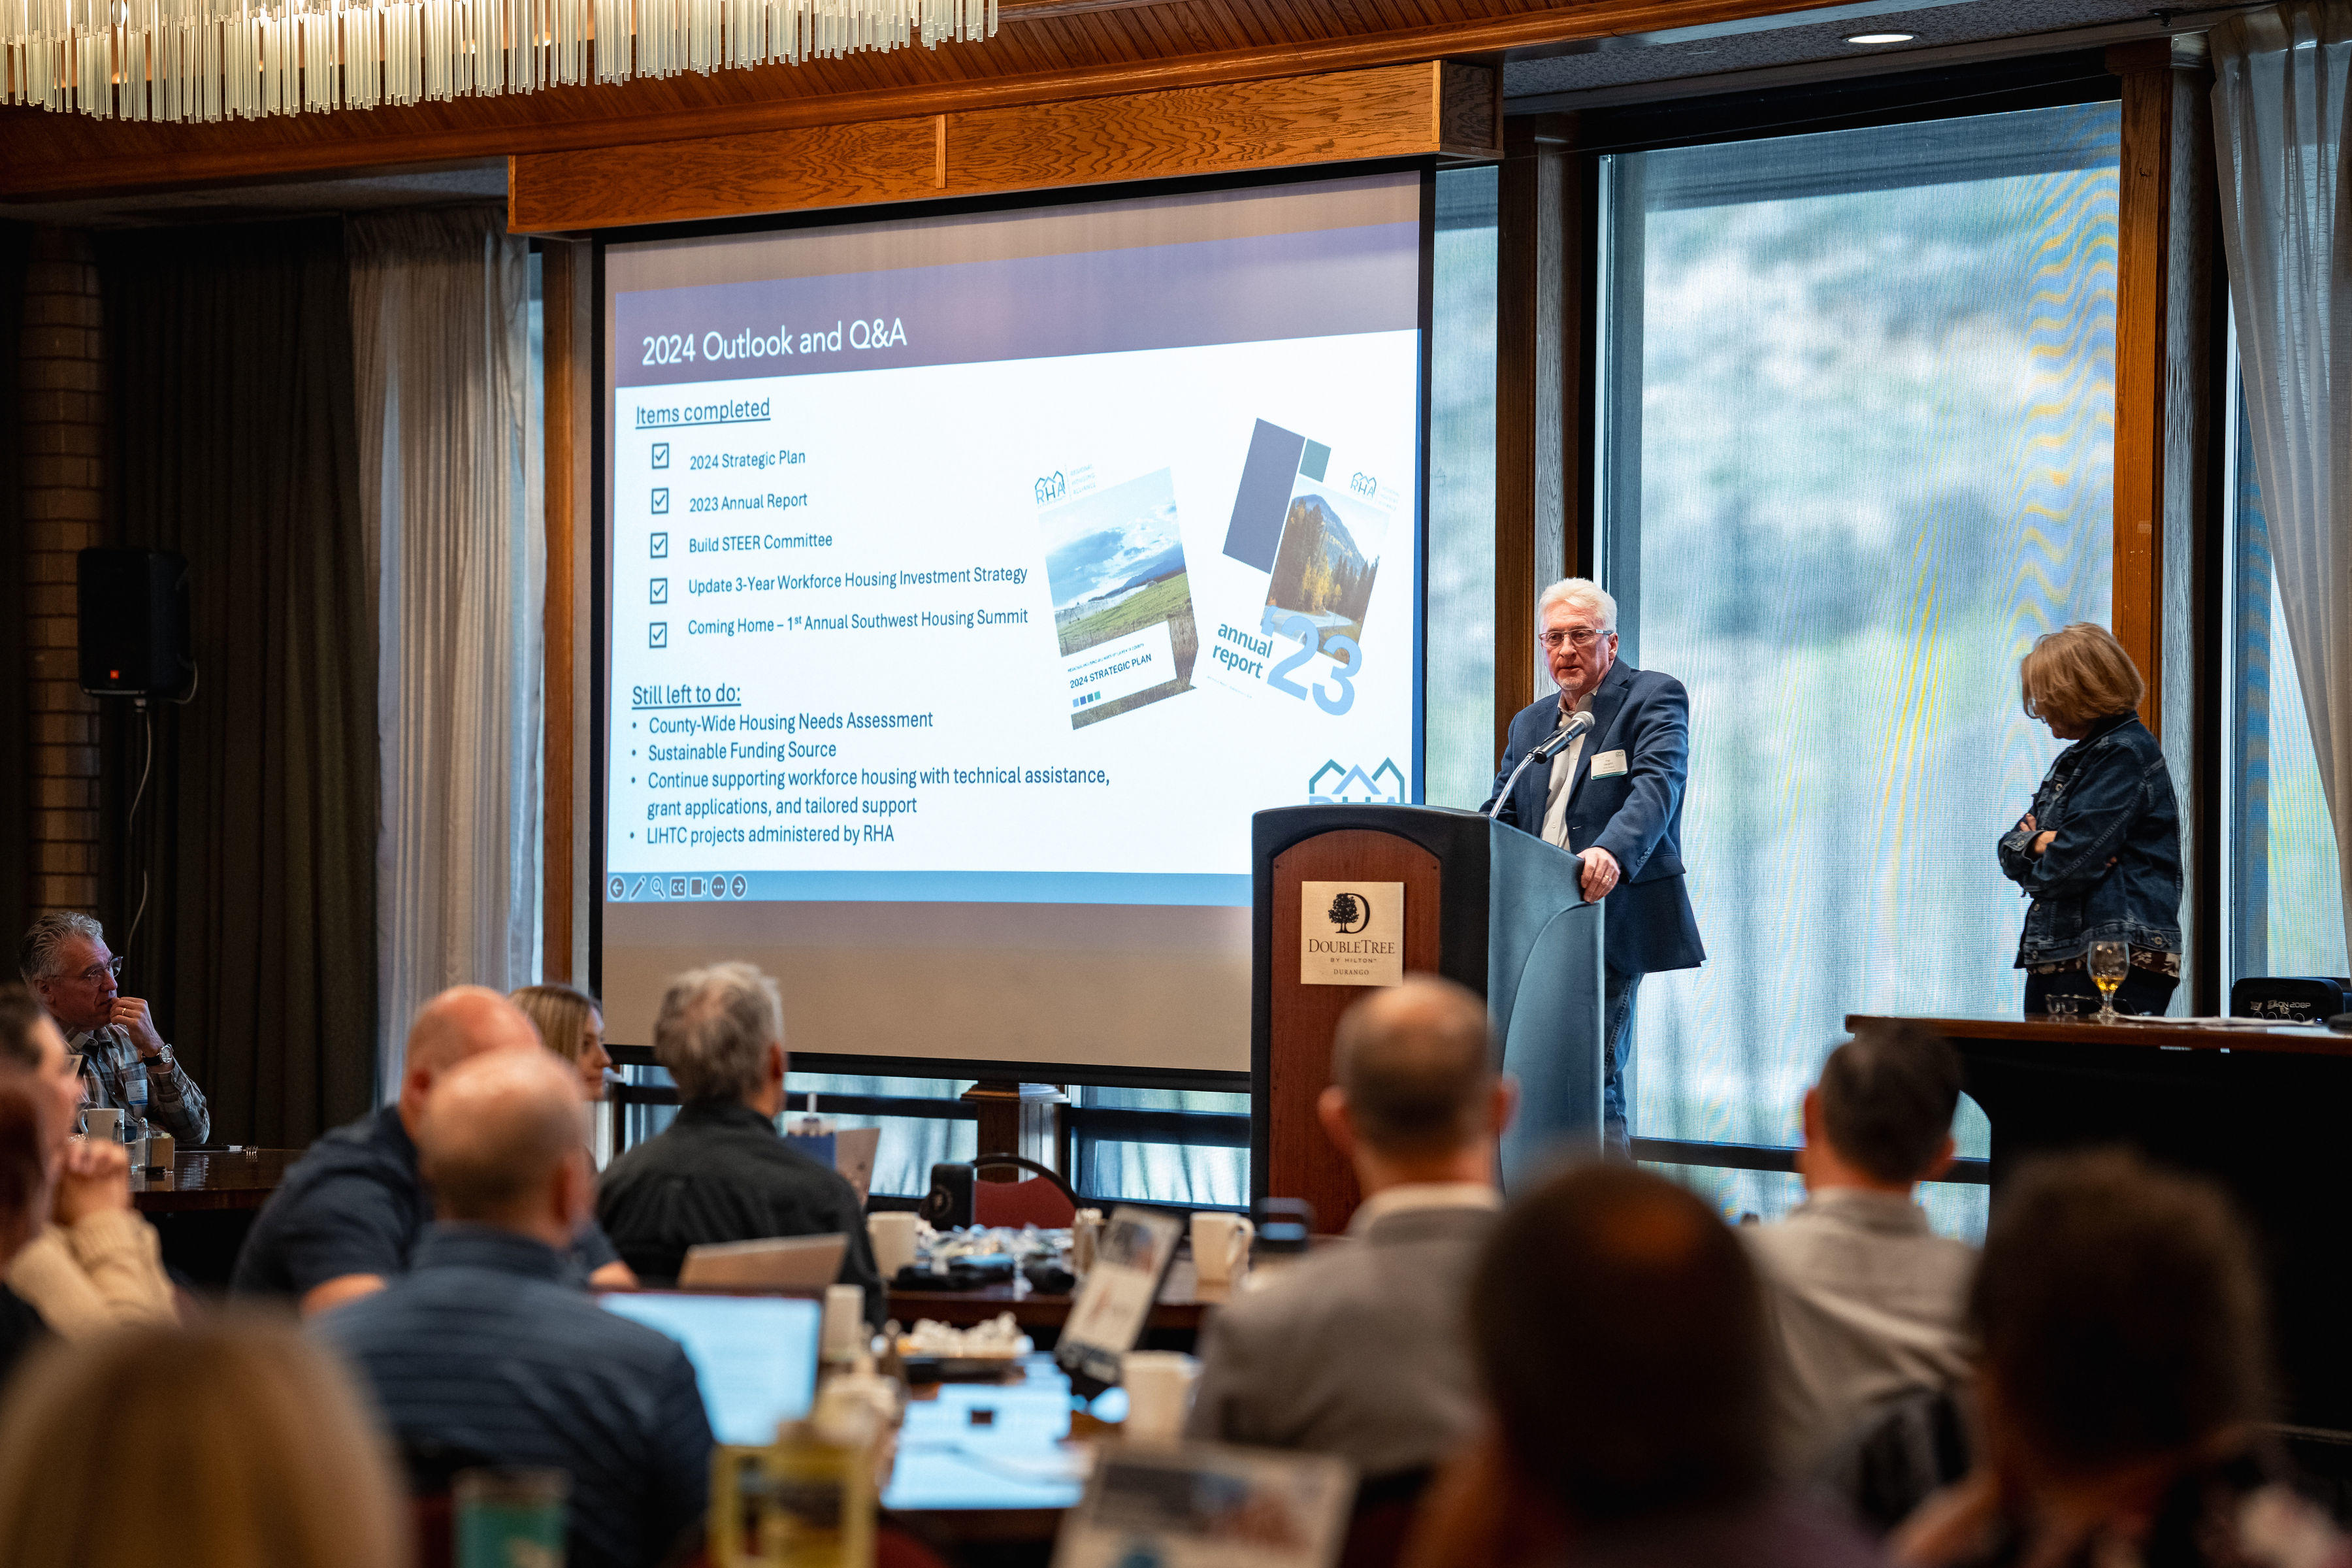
[[1869, 38]]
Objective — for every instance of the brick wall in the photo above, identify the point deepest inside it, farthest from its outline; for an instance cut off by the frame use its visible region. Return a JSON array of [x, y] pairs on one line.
[[62, 370]]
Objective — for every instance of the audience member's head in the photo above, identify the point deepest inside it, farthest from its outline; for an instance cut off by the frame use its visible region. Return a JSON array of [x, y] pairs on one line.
[[64, 961], [245, 1443], [571, 1024], [31, 1045], [1414, 1094], [2121, 1316], [463, 1022], [721, 1035], [2077, 675], [1883, 1110], [1618, 1333], [500, 1145], [26, 1166]]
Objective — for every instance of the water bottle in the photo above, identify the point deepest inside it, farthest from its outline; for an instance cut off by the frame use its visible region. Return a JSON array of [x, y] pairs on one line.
[[134, 1096]]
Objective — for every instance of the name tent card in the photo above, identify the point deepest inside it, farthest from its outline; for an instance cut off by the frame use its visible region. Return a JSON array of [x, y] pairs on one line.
[[1352, 933]]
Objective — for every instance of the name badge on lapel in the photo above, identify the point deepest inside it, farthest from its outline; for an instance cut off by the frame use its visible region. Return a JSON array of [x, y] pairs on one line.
[[1607, 764]]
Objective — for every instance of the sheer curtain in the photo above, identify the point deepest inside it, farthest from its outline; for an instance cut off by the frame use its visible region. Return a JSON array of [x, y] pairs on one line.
[[2279, 110], [440, 311]]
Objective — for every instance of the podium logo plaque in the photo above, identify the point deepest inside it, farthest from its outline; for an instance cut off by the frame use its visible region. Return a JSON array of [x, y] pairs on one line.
[[1352, 933]]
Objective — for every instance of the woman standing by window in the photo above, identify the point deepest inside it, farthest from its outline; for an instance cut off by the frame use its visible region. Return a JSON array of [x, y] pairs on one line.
[[2099, 852]]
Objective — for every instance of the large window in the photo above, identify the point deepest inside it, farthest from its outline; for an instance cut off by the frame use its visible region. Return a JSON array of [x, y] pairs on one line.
[[1856, 425], [2285, 904]]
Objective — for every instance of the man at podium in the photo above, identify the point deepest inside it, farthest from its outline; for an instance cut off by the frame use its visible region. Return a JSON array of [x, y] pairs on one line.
[[1612, 796]]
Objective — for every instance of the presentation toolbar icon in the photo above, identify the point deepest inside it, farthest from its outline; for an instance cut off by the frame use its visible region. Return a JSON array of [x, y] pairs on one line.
[[620, 889], [660, 543], [661, 454], [735, 886], [661, 500], [718, 886], [657, 635], [640, 890]]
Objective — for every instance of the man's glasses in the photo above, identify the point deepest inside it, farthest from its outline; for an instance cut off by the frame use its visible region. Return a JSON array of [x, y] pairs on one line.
[[98, 971], [1579, 637]]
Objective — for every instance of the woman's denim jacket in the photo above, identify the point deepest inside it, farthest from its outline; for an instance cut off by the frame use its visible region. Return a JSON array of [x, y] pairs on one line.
[[2109, 797]]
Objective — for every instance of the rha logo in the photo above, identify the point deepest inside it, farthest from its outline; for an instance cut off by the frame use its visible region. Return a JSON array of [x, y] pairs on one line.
[[1050, 487], [1334, 785], [1349, 914], [1364, 484]]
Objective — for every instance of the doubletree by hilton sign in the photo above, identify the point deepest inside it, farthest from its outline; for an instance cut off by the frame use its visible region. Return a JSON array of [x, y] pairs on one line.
[[1352, 933]]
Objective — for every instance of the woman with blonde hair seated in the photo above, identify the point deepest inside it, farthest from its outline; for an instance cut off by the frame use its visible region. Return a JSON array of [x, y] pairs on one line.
[[234, 1443], [571, 1024], [2099, 849]]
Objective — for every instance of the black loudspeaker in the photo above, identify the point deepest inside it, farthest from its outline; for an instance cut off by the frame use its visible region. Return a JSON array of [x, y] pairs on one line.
[[947, 1205], [133, 607]]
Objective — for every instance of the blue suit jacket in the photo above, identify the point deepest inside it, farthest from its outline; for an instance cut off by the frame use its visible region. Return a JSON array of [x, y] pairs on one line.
[[1636, 816]]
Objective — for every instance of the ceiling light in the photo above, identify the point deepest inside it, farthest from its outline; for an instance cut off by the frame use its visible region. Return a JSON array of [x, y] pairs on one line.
[[1881, 38]]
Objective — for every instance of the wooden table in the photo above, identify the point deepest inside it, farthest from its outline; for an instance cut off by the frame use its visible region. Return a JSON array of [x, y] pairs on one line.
[[203, 1208], [2265, 1111], [213, 1179], [1183, 1302]]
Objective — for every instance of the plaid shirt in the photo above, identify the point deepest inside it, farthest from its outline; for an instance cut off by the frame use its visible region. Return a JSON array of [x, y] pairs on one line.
[[174, 1103]]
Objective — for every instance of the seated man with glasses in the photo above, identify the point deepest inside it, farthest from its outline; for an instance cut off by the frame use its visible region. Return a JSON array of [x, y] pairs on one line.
[[1613, 798], [127, 1064]]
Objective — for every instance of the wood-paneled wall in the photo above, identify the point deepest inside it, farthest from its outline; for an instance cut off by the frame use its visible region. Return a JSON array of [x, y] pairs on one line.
[[1343, 116]]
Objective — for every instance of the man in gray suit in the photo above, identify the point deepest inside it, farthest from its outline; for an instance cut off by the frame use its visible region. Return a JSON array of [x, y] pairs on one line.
[[1359, 1350]]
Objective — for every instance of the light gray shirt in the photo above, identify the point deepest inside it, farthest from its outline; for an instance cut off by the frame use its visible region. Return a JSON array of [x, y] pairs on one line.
[[1863, 1303], [1358, 1350], [1563, 773]]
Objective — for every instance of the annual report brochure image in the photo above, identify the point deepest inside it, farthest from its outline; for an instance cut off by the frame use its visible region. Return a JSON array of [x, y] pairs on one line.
[[1324, 567], [1122, 598]]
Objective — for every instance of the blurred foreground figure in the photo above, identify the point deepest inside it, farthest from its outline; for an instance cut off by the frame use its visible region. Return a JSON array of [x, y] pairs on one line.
[[1618, 1334], [231, 1444], [1863, 1303], [91, 1261], [1360, 1350], [2125, 1380]]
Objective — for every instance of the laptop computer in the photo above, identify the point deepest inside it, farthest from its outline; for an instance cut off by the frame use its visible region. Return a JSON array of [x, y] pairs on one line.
[[754, 1356]]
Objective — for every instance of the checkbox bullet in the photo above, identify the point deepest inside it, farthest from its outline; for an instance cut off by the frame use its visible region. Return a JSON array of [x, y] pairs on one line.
[[657, 635], [661, 454], [661, 590], [661, 545], [661, 502]]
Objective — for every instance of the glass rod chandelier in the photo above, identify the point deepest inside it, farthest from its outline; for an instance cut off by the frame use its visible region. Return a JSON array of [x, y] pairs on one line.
[[200, 60]]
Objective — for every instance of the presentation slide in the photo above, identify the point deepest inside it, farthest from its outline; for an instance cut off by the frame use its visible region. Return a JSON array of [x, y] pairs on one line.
[[972, 580]]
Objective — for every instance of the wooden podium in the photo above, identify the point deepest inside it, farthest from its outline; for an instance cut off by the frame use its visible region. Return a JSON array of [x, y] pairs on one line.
[[1498, 910]]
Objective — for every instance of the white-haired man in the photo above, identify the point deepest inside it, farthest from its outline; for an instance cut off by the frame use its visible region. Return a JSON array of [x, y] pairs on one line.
[[1613, 798], [126, 1063], [721, 1170]]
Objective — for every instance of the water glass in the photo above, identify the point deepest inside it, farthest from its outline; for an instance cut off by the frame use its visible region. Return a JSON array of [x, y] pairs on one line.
[[510, 1517]]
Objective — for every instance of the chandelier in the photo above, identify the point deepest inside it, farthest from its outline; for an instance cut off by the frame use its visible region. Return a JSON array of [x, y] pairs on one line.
[[200, 60]]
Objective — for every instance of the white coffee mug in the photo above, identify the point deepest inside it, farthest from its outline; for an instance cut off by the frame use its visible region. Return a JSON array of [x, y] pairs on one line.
[[1221, 1243], [1086, 1239], [843, 1332], [892, 1232], [1158, 1395], [105, 1124]]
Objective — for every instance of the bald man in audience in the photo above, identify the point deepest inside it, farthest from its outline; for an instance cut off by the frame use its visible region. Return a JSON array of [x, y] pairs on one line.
[[348, 1214], [1358, 1350], [486, 1353]]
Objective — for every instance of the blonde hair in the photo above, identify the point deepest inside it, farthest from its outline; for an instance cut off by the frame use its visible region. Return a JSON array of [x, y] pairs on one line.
[[2078, 674], [245, 1445], [560, 1014]]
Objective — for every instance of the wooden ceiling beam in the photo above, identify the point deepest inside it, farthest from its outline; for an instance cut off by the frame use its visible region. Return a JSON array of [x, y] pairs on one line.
[[49, 156]]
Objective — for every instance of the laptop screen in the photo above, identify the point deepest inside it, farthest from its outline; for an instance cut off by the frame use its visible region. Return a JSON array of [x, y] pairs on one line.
[[754, 1356]]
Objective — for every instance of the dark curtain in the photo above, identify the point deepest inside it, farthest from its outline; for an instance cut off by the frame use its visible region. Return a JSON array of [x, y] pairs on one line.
[[235, 443], [16, 665]]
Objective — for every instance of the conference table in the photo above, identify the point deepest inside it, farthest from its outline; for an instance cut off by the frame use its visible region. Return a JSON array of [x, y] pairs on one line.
[[1175, 1316], [2261, 1108], [203, 1205]]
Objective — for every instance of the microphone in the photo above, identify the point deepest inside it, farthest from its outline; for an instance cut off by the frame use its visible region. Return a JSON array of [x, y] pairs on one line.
[[1570, 727]]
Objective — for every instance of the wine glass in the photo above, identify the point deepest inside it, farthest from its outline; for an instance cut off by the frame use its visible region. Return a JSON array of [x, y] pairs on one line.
[[2110, 962]]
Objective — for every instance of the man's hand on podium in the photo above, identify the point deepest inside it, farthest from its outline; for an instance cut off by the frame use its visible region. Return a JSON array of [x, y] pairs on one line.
[[1600, 873]]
